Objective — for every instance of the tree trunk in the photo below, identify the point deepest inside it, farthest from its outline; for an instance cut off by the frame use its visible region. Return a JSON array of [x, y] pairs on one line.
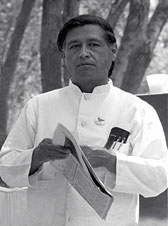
[[141, 55], [157, 22], [9, 66], [133, 35], [71, 9], [116, 10], [138, 62], [50, 55], [138, 43]]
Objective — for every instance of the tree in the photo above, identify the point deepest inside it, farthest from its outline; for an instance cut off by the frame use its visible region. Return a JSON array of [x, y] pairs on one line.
[[8, 68], [7, 19], [116, 10], [138, 42], [71, 9], [50, 57], [55, 12]]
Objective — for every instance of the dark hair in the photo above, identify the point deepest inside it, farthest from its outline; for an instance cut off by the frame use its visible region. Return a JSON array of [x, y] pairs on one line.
[[87, 19]]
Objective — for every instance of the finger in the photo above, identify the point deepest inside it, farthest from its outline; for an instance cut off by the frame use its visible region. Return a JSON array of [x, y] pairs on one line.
[[58, 152], [58, 149], [48, 145], [87, 150], [46, 141]]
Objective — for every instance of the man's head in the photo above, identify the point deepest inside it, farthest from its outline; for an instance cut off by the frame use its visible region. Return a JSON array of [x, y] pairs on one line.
[[88, 39]]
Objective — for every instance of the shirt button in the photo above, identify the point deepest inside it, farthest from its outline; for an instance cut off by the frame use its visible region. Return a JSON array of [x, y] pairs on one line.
[[83, 123]]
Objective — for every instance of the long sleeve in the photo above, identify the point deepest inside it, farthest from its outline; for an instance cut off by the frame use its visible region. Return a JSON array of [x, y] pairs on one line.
[[17, 150], [145, 170]]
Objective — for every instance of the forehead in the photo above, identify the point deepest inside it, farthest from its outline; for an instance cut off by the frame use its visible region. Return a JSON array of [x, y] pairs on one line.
[[85, 32]]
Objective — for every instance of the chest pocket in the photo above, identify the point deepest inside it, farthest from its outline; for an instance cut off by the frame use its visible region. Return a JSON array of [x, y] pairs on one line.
[[122, 148]]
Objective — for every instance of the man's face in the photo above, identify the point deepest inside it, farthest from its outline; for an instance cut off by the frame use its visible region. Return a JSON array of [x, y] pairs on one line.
[[87, 56]]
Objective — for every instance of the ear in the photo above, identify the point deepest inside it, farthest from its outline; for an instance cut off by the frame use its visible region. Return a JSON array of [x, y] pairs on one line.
[[114, 51], [63, 55], [64, 58]]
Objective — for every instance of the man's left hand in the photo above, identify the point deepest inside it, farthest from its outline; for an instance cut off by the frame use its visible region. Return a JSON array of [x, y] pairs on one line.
[[100, 158]]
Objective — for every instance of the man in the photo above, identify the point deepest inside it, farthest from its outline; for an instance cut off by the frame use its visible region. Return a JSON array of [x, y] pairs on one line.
[[90, 107]]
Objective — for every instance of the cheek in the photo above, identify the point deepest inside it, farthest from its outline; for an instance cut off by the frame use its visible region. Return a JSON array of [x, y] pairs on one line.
[[68, 60], [109, 60], [106, 62]]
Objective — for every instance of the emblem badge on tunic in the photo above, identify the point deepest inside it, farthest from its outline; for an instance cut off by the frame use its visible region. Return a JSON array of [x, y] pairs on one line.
[[99, 121]]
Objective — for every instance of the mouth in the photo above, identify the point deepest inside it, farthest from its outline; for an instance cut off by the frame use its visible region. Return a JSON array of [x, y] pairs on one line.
[[85, 65]]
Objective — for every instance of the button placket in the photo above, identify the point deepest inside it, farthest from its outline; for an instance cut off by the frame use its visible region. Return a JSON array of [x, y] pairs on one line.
[[86, 97]]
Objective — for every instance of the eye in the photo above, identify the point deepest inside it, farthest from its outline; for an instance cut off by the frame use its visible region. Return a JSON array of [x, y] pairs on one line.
[[74, 46], [94, 44]]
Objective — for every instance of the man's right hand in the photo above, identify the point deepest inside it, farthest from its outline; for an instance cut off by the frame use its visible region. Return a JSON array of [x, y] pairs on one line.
[[45, 152]]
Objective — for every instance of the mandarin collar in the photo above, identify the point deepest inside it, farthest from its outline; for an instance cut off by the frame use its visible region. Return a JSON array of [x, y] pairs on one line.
[[98, 89]]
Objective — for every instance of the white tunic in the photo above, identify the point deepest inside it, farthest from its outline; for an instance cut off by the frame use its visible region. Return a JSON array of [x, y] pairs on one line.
[[141, 162]]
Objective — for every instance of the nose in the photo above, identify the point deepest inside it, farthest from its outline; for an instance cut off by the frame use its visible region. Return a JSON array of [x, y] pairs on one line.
[[84, 52]]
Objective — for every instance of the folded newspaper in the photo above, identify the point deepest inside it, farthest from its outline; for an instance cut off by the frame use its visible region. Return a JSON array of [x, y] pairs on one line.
[[80, 174]]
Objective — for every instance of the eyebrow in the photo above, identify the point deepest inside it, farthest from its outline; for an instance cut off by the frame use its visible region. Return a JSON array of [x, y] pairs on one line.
[[88, 40], [72, 42]]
